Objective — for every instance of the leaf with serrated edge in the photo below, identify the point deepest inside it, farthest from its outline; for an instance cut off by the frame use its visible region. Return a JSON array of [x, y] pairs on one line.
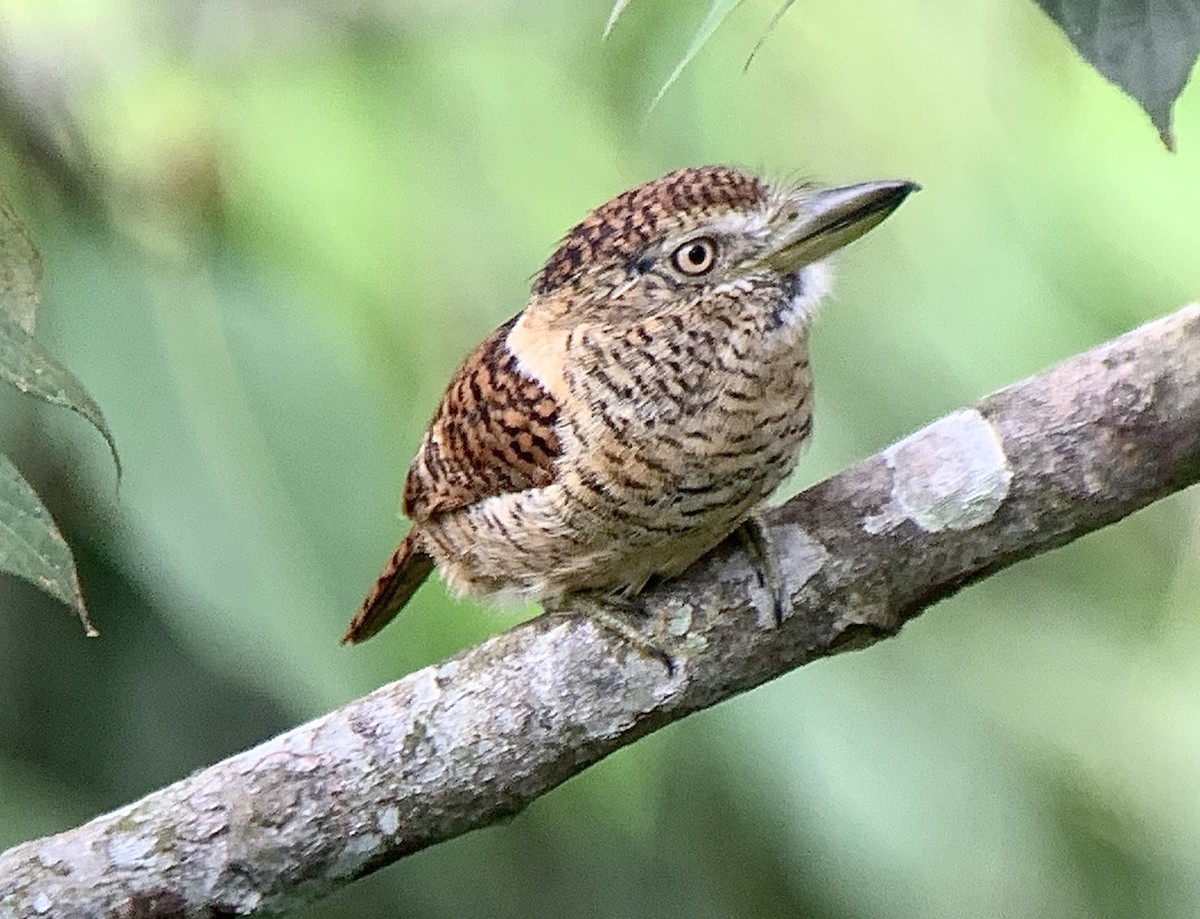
[[20, 269], [716, 15], [31, 547], [27, 365], [1146, 47]]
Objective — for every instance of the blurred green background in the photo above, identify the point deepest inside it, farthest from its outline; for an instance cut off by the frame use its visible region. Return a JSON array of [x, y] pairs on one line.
[[271, 230]]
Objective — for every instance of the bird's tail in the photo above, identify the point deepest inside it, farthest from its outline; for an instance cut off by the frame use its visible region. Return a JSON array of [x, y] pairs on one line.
[[406, 570]]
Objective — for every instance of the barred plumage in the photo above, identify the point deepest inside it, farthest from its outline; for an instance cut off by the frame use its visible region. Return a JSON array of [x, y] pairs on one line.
[[652, 394]]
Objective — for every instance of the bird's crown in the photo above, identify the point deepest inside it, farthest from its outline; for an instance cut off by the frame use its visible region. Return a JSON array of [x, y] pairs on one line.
[[633, 219]]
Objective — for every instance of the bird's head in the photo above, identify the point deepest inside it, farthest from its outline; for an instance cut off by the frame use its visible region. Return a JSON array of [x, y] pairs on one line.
[[702, 232]]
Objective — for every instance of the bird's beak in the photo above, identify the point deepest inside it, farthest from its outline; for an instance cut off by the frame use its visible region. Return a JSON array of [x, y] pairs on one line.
[[829, 218]]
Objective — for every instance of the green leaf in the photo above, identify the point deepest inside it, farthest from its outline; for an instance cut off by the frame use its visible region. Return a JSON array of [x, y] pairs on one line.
[[779, 14], [32, 369], [31, 547], [20, 269], [716, 15], [617, 10], [1146, 47]]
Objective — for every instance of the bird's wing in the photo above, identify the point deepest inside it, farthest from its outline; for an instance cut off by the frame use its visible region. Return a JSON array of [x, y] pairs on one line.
[[494, 433]]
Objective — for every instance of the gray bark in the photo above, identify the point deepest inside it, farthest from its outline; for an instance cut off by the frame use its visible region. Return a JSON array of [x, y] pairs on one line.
[[460, 744]]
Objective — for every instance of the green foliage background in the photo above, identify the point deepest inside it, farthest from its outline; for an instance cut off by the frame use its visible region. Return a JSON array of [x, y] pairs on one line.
[[271, 231]]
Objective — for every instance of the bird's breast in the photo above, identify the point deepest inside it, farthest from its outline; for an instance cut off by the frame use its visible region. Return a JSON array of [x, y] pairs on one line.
[[680, 425]]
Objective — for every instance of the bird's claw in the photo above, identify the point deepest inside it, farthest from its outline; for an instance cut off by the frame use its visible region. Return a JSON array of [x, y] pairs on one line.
[[761, 548]]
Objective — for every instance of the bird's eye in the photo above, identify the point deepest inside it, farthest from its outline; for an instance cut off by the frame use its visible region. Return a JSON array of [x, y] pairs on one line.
[[696, 256]]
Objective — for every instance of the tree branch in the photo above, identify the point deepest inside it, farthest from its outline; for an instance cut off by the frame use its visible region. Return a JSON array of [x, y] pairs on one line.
[[455, 746]]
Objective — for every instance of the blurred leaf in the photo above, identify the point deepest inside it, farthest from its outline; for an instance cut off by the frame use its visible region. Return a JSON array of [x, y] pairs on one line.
[[32, 369], [617, 10], [1146, 47], [779, 13], [20, 269], [31, 547], [716, 15]]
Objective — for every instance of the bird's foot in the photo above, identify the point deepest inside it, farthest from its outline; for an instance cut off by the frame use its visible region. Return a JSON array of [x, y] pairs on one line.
[[761, 548], [613, 612]]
